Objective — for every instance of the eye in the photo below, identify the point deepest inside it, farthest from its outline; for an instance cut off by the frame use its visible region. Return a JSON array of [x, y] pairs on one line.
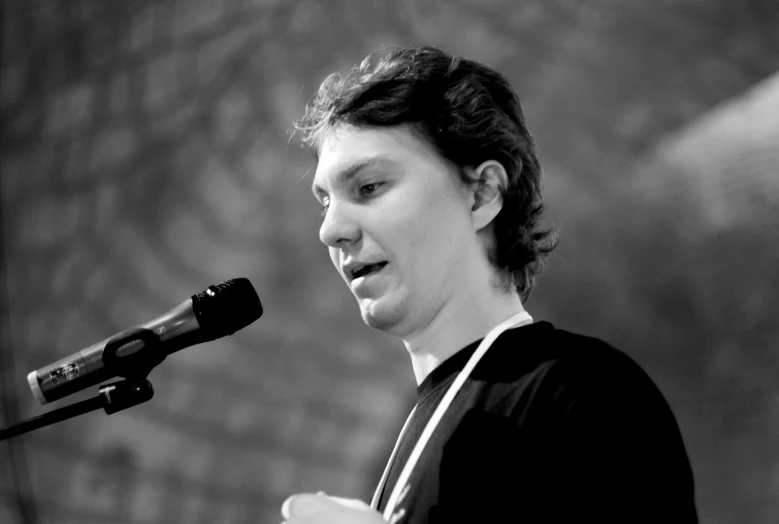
[[371, 188], [325, 205]]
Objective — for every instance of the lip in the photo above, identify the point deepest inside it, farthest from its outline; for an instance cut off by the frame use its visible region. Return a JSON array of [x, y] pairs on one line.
[[350, 266], [364, 285]]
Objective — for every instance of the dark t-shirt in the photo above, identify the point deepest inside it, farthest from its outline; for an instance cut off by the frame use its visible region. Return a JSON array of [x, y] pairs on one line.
[[549, 427]]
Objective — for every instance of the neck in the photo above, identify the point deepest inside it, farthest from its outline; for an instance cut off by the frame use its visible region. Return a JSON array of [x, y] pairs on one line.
[[455, 326]]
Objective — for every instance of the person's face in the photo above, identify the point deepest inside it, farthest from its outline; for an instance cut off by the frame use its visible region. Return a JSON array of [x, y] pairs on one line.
[[390, 198]]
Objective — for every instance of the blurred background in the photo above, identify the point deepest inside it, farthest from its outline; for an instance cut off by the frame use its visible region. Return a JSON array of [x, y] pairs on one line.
[[147, 153]]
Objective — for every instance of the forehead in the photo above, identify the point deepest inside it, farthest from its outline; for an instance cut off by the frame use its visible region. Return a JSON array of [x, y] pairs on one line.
[[347, 149]]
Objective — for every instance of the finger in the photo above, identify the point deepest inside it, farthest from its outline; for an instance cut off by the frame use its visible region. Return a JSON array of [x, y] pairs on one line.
[[285, 508], [303, 505]]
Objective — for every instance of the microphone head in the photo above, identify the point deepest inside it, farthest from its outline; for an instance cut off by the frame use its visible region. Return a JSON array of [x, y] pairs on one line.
[[225, 308]]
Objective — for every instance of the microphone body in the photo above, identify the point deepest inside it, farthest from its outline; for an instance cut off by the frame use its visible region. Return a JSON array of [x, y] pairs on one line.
[[213, 313]]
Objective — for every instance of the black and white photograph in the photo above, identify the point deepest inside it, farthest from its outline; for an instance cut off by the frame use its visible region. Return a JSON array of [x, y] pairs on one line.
[[389, 261]]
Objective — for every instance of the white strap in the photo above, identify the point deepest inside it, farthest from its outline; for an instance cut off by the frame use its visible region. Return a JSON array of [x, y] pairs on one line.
[[520, 318], [383, 481]]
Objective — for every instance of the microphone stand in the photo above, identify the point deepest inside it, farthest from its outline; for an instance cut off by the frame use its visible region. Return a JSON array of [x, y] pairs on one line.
[[111, 397], [132, 390]]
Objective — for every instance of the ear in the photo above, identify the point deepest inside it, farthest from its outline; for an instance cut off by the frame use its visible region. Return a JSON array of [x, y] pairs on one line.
[[486, 198]]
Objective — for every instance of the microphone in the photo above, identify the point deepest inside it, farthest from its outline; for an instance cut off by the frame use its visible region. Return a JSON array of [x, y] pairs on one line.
[[215, 312]]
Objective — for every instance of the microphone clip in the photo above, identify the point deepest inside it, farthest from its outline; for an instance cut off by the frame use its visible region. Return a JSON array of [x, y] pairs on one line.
[[125, 394], [138, 352], [133, 353]]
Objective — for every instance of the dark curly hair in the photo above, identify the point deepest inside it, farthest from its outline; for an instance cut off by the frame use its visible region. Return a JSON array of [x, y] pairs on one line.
[[470, 114]]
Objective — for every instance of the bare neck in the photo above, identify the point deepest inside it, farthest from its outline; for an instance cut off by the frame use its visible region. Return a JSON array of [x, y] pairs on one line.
[[456, 326]]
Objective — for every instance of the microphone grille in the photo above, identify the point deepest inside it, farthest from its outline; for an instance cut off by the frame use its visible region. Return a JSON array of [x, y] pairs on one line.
[[225, 308]]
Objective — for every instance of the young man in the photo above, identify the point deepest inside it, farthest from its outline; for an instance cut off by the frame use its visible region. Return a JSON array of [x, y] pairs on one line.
[[430, 188]]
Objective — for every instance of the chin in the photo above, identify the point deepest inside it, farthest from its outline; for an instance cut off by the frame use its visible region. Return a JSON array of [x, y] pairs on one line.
[[382, 316]]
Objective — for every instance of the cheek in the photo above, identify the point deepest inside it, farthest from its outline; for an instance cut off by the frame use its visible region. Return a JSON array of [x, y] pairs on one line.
[[427, 228]]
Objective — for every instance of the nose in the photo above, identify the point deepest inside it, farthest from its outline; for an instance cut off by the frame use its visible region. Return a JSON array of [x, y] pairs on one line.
[[339, 226]]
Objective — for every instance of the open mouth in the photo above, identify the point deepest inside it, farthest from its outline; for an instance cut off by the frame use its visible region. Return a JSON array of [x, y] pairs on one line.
[[370, 269]]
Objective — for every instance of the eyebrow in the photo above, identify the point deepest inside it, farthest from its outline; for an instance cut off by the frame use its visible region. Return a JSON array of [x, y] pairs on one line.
[[344, 175]]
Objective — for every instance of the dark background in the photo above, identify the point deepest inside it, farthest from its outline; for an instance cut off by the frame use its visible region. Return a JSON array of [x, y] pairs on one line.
[[147, 153]]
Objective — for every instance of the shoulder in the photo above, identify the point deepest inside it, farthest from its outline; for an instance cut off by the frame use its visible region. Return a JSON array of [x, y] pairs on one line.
[[582, 360], [582, 418], [541, 348], [541, 364]]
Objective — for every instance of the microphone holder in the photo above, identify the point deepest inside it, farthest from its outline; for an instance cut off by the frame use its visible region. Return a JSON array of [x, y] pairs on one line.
[[112, 397], [133, 389]]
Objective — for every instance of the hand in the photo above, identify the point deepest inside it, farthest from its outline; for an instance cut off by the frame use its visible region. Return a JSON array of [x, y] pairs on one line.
[[307, 508]]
